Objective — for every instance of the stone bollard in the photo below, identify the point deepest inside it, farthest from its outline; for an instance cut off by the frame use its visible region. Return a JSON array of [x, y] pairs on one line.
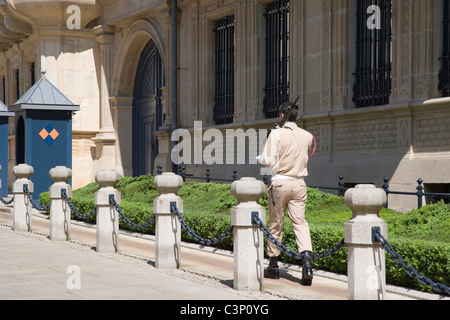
[[107, 216], [366, 258], [248, 244], [167, 225], [22, 206], [59, 210]]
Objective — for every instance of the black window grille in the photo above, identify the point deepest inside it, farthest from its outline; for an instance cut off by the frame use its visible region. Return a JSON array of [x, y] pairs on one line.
[[277, 57], [224, 82], [17, 84], [444, 73], [373, 53], [32, 75], [4, 89]]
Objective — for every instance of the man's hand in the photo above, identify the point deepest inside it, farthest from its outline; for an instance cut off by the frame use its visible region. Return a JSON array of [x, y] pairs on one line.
[[260, 159]]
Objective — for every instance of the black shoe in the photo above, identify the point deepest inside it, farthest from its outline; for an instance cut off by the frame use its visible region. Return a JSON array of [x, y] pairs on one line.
[[272, 271], [307, 272]]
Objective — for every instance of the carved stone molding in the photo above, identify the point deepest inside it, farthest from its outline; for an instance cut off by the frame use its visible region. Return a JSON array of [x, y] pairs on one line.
[[13, 23], [12, 29]]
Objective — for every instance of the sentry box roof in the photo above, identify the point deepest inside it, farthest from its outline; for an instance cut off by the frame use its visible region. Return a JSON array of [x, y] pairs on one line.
[[4, 111], [43, 95]]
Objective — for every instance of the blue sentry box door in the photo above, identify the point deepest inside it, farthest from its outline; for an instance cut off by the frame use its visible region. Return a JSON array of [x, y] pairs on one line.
[[4, 156], [48, 143]]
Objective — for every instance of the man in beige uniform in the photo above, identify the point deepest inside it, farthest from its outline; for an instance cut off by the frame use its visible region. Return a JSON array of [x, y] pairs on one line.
[[286, 153]]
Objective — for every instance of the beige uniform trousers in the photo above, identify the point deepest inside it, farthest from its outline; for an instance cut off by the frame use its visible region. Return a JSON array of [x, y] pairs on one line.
[[290, 194]]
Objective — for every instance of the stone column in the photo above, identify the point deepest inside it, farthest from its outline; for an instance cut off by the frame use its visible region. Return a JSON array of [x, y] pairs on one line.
[[366, 259], [248, 244], [247, 40], [107, 216], [59, 210], [22, 205], [106, 139], [122, 110], [167, 225]]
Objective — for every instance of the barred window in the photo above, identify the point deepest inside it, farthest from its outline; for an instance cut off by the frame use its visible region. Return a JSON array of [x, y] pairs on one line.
[[4, 89], [32, 75], [444, 73], [277, 57], [224, 82], [17, 84], [373, 53]]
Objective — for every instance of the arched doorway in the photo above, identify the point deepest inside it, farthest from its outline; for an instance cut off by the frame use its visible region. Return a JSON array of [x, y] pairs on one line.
[[147, 109], [20, 141]]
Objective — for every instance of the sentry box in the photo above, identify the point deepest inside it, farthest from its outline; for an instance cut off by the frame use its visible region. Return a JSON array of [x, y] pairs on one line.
[[4, 117], [43, 118]]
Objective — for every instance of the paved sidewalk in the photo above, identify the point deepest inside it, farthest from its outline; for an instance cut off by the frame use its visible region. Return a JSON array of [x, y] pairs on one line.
[[33, 267]]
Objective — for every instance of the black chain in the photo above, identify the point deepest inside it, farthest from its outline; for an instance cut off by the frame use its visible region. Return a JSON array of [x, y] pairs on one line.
[[299, 256], [30, 199], [69, 203], [7, 202], [192, 234], [438, 287], [113, 201]]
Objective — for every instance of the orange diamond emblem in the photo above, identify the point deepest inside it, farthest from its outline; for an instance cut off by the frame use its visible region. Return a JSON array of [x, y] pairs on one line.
[[49, 134]]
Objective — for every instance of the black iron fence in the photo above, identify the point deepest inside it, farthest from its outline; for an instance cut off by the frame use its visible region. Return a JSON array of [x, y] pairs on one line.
[[419, 193], [340, 187], [181, 171]]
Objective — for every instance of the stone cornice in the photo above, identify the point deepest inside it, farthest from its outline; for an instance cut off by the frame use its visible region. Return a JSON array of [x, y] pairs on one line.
[[55, 13], [12, 29], [391, 110]]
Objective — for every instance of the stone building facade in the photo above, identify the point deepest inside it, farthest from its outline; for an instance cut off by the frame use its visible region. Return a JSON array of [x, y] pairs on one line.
[[370, 77]]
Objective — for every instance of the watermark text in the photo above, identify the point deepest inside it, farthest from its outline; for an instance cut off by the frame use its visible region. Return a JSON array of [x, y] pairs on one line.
[[74, 19], [74, 280], [236, 146], [374, 21]]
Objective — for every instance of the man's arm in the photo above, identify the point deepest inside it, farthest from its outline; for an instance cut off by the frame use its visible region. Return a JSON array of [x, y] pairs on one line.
[[270, 152]]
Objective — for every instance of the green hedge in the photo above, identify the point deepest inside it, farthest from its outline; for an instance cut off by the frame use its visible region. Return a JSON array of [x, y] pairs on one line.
[[430, 259], [421, 237]]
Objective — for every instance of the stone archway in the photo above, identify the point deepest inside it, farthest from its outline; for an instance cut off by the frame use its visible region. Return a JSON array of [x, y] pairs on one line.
[[132, 46]]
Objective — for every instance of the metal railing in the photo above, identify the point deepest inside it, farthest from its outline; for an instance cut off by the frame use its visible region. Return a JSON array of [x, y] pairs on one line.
[[340, 188], [419, 193], [181, 171]]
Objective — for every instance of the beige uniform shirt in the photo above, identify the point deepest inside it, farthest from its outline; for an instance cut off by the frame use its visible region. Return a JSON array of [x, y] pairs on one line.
[[287, 150]]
